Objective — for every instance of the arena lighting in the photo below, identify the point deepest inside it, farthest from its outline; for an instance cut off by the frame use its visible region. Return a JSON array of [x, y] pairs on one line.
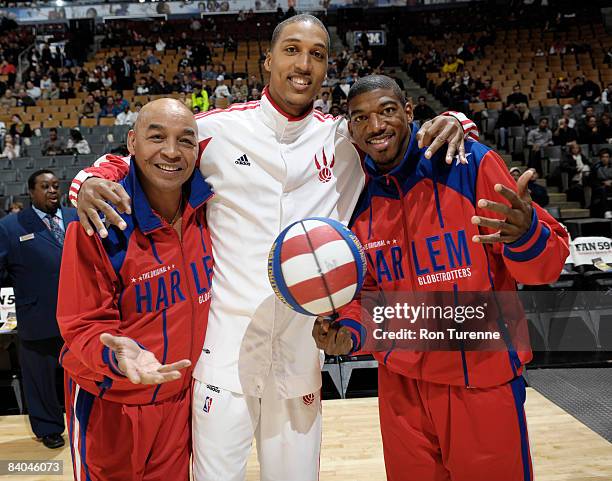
[[59, 3]]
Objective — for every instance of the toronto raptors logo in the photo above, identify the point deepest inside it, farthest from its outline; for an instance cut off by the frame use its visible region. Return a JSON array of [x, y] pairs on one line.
[[325, 169], [309, 398]]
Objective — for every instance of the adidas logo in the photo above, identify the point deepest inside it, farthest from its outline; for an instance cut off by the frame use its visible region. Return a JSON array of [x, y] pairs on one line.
[[243, 160]]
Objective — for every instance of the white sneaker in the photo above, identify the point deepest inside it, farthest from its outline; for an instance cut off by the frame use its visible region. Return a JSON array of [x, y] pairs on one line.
[[608, 214]]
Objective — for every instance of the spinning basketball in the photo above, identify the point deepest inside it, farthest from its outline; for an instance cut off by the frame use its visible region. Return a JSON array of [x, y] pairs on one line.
[[316, 266]]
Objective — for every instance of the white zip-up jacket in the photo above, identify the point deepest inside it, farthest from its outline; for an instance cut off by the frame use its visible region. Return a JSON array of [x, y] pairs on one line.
[[267, 170]]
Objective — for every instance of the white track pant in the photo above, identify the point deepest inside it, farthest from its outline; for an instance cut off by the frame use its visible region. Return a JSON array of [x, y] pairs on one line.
[[288, 434]]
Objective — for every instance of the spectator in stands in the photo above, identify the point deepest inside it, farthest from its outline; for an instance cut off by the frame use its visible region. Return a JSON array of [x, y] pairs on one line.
[[143, 88], [508, 117], [151, 58], [90, 108], [106, 80], [120, 103], [489, 93], [128, 117], [605, 127], [517, 97], [423, 112], [24, 100], [15, 207], [33, 91], [186, 99], [577, 90], [54, 145], [7, 68], [8, 101], [340, 92], [324, 103], [606, 96], [112, 108], [564, 134], [11, 147], [53, 93], [208, 73], [452, 64], [240, 91], [590, 133], [539, 193], [537, 139], [562, 88], [221, 92], [141, 66], [19, 128], [45, 83], [255, 94], [199, 98], [601, 203], [577, 167], [588, 112], [568, 115], [591, 92], [525, 114], [160, 45], [161, 87], [76, 143], [124, 71], [66, 91], [176, 86]]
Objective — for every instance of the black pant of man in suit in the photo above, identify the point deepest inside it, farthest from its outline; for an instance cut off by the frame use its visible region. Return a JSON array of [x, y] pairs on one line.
[[39, 370]]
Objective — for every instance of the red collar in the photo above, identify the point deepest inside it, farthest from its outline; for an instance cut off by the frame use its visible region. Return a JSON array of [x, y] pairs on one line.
[[290, 118]]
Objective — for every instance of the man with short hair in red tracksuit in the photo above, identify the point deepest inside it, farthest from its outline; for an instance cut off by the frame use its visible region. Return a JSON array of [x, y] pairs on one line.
[[133, 308], [429, 227]]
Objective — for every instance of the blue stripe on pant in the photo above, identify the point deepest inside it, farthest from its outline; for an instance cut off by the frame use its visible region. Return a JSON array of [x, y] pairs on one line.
[[519, 394], [84, 404]]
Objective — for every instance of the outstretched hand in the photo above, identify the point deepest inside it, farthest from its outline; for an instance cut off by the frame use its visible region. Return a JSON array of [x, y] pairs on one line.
[[94, 197], [517, 216], [335, 340], [139, 365], [443, 129]]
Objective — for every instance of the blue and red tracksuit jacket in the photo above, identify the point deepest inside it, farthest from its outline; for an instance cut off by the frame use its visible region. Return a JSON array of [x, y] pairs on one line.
[[415, 224], [143, 283]]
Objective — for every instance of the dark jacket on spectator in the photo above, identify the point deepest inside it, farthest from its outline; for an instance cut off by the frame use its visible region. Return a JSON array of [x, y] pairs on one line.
[[423, 113], [564, 135], [539, 194], [24, 131]]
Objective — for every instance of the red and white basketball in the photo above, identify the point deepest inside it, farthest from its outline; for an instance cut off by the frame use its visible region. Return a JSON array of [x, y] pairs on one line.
[[316, 266]]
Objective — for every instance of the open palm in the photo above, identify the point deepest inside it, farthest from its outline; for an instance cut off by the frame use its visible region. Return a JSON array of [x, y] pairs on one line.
[[139, 365]]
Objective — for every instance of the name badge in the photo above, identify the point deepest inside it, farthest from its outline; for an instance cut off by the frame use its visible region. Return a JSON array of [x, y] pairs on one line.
[[26, 237]]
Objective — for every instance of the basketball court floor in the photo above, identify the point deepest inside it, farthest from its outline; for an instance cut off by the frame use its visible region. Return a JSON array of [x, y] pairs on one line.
[[563, 448]]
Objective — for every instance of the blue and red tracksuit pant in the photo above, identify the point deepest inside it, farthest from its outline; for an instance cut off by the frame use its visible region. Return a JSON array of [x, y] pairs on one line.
[[110, 441], [437, 432]]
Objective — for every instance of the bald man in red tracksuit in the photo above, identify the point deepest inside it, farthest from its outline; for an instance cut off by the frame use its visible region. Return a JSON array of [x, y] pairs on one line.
[[144, 284], [453, 415]]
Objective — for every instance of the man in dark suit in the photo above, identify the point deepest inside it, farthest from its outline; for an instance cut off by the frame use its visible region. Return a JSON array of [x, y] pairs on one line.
[[30, 255]]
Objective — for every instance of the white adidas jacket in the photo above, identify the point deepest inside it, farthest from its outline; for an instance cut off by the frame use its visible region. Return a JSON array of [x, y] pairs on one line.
[[267, 170]]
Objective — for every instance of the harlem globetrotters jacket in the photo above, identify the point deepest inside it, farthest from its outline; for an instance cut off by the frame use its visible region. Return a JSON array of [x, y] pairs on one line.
[[142, 283], [415, 224], [268, 170]]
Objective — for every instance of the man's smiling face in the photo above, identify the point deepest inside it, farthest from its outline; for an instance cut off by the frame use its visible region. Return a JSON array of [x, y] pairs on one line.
[[297, 66]]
